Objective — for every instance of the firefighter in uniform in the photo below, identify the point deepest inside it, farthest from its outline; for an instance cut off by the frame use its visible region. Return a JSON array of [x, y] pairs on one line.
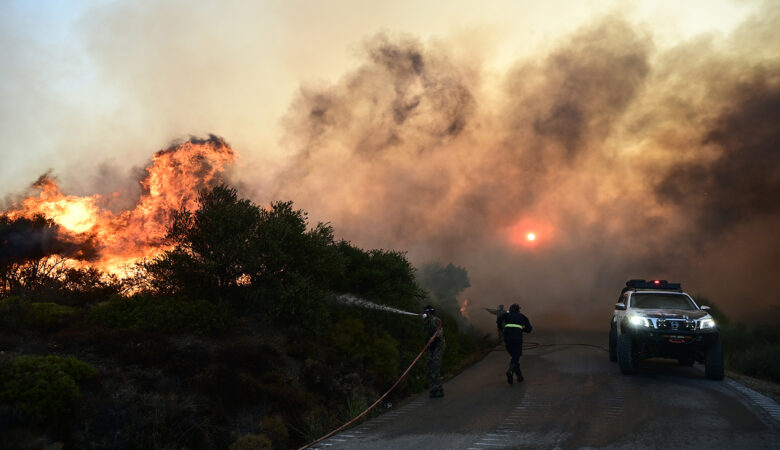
[[515, 324], [431, 325]]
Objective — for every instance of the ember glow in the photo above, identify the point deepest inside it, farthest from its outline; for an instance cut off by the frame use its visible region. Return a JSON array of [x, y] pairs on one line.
[[464, 308], [171, 182]]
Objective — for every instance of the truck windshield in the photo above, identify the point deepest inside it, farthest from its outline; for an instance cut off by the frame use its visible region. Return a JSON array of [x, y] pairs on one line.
[[651, 300]]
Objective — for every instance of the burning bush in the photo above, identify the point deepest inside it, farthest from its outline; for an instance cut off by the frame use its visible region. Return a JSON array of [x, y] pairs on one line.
[[444, 284], [210, 262], [26, 239], [37, 260]]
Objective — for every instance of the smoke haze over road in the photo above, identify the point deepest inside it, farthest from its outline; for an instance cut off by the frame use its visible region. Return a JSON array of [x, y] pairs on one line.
[[626, 160]]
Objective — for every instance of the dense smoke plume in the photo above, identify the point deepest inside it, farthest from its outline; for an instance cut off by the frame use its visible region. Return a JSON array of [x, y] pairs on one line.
[[28, 239], [632, 146], [627, 161]]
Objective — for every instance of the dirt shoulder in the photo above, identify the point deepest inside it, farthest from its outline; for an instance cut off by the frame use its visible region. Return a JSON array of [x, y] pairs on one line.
[[768, 388]]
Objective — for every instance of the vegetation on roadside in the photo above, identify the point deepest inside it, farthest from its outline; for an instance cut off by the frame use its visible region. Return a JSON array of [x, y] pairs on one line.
[[162, 314], [45, 388], [752, 351], [233, 338]]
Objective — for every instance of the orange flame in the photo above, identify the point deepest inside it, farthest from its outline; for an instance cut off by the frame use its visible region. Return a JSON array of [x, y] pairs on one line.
[[172, 181], [464, 308]]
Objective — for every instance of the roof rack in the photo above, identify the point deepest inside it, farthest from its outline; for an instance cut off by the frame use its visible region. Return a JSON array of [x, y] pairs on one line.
[[652, 284]]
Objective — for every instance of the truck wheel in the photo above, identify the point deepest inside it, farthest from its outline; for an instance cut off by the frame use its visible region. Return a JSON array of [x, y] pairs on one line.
[[613, 344], [713, 361], [625, 355], [686, 360]]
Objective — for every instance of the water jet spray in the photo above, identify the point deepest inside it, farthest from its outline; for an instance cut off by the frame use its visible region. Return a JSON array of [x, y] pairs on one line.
[[350, 299]]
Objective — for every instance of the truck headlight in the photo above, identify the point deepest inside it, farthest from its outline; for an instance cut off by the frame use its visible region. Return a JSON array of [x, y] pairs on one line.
[[640, 321], [707, 323]]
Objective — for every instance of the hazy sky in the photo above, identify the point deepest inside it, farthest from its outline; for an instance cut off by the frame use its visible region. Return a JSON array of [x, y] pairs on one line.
[[637, 139]]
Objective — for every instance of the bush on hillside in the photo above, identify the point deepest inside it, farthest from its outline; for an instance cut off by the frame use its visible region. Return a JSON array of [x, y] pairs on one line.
[[16, 312], [252, 442], [44, 387], [11, 313], [44, 315], [163, 314], [753, 352], [750, 351], [374, 348]]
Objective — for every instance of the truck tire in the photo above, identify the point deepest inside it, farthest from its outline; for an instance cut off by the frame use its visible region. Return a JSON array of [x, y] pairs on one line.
[[625, 355], [613, 344], [713, 361]]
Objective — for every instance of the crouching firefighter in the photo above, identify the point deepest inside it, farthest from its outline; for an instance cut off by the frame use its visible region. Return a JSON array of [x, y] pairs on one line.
[[515, 324], [432, 327]]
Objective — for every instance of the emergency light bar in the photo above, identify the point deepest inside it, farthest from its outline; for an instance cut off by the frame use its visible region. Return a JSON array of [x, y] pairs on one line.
[[653, 284]]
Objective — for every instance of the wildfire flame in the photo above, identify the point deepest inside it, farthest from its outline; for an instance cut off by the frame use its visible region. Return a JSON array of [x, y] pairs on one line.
[[464, 308], [172, 181]]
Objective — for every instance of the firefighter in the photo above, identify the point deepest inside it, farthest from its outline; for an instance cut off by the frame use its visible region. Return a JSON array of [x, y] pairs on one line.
[[431, 325], [515, 324]]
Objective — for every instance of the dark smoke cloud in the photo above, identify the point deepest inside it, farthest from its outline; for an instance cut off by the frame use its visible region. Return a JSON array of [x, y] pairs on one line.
[[743, 182], [212, 140], [573, 99], [628, 160], [29, 239], [402, 101]]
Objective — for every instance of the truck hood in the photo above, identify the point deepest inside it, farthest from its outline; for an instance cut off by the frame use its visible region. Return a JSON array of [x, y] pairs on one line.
[[674, 313]]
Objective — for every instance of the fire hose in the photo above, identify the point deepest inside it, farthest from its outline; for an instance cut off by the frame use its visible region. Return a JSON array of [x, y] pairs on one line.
[[403, 375]]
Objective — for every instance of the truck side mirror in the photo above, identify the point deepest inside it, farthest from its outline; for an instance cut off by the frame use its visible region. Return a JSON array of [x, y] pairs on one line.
[[620, 306], [704, 308]]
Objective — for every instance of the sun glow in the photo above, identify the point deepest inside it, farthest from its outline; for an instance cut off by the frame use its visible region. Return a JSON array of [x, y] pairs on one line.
[[530, 233]]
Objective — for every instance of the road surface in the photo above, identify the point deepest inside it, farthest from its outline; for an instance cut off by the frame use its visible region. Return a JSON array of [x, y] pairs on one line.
[[574, 397]]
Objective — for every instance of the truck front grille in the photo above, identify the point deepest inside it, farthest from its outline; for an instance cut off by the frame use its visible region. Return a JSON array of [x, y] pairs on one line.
[[675, 324]]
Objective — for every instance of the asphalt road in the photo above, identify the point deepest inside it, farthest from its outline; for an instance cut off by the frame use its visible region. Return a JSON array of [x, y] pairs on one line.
[[574, 397]]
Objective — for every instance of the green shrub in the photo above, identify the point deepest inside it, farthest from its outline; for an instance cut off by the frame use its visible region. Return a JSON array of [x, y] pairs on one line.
[[16, 312], [316, 422], [375, 347], [47, 314], [356, 403], [11, 313], [44, 387], [754, 352], [168, 315], [273, 426], [761, 362], [252, 442], [167, 419]]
